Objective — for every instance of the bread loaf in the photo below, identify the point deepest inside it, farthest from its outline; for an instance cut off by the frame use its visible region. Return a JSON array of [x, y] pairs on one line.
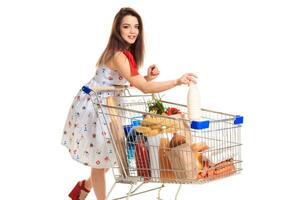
[[177, 140], [198, 147]]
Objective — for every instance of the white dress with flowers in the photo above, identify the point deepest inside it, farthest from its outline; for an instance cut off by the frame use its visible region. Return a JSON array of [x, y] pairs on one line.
[[86, 135]]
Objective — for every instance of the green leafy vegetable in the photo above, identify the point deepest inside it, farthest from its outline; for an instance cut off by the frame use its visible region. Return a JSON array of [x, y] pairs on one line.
[[156, 106]]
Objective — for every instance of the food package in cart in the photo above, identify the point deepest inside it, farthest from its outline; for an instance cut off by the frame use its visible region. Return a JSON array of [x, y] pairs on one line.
[[219, 155], [182, 158], [142, 159], [163, 126], [183, 162], [193, 103], [155, 128], [166, 172], [146, 151], [139, 163], [153, 146]]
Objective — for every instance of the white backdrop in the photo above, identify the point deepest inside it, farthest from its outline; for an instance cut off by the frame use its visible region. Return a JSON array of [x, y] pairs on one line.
[[244, 52]]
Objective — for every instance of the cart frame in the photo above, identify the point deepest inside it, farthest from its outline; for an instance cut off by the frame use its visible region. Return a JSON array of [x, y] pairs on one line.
[[214, 124]]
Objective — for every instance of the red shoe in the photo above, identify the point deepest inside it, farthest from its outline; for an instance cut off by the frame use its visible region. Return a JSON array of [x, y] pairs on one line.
[[77, 194]]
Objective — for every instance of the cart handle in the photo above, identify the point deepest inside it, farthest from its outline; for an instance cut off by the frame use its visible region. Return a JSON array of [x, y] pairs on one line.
[[96, 89]]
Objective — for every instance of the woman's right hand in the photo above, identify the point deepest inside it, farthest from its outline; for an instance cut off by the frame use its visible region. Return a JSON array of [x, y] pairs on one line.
[[187, 79]]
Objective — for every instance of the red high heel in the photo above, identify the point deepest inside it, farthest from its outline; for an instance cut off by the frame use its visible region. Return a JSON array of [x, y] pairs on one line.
[[76, 192]]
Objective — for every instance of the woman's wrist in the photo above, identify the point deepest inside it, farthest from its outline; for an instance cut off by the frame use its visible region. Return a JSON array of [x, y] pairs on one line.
[[146, 77], [176, 82]]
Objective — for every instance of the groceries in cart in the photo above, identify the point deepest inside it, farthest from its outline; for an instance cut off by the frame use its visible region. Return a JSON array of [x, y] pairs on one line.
[[193, 102], [158, 141], [164, 147]]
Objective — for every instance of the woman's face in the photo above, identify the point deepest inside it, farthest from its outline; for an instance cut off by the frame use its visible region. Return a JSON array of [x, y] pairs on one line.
[[129, 28]]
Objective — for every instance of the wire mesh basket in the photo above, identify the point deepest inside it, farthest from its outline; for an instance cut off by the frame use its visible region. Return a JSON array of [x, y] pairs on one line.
[[160, 148]]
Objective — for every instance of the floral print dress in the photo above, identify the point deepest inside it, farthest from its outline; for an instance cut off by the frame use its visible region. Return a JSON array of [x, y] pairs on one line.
[[85, 134]]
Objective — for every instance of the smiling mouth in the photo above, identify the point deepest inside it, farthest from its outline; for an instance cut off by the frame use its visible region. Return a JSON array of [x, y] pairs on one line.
[[132, 37]]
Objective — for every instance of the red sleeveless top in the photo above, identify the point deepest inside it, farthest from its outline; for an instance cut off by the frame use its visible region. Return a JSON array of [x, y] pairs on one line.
[[132, 63]]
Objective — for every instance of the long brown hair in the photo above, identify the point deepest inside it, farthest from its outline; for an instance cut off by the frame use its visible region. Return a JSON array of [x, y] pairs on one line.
[[117, 43]]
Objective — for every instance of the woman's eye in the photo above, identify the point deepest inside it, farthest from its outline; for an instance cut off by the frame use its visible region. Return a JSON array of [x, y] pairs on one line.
[[125, 26]]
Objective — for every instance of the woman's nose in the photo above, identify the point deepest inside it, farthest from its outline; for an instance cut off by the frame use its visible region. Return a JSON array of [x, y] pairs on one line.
[[133, 30]]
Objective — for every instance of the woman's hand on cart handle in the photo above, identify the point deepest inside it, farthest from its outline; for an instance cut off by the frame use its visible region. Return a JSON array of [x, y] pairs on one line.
[[187, 79]]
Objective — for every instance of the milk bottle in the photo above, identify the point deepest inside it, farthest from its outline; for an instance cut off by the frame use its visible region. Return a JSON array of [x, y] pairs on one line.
[[193, 103]]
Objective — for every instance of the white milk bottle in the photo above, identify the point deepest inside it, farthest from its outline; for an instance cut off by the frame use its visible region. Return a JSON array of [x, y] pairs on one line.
[[193, 103]]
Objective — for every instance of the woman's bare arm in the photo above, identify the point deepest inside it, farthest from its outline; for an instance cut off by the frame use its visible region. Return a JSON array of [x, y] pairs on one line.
[[122, 64]]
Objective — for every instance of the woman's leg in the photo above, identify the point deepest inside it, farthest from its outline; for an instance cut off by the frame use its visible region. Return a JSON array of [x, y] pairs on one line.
[[88, 183], [98, 182]]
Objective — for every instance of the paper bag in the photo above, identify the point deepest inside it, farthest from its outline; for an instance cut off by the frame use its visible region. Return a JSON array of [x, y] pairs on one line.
[[166, 172], [182, 161]]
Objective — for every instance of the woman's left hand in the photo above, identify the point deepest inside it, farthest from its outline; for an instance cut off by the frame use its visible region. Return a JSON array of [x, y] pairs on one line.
[[152, 72]]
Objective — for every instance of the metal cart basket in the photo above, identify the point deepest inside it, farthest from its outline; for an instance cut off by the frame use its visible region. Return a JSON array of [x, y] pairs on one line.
[[155, 148]]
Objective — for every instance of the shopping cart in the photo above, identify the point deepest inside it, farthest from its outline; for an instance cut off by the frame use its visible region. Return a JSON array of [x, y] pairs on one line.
[[155, 148]]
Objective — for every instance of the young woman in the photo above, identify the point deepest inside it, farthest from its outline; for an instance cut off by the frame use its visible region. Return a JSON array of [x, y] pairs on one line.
[[84, 133]]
